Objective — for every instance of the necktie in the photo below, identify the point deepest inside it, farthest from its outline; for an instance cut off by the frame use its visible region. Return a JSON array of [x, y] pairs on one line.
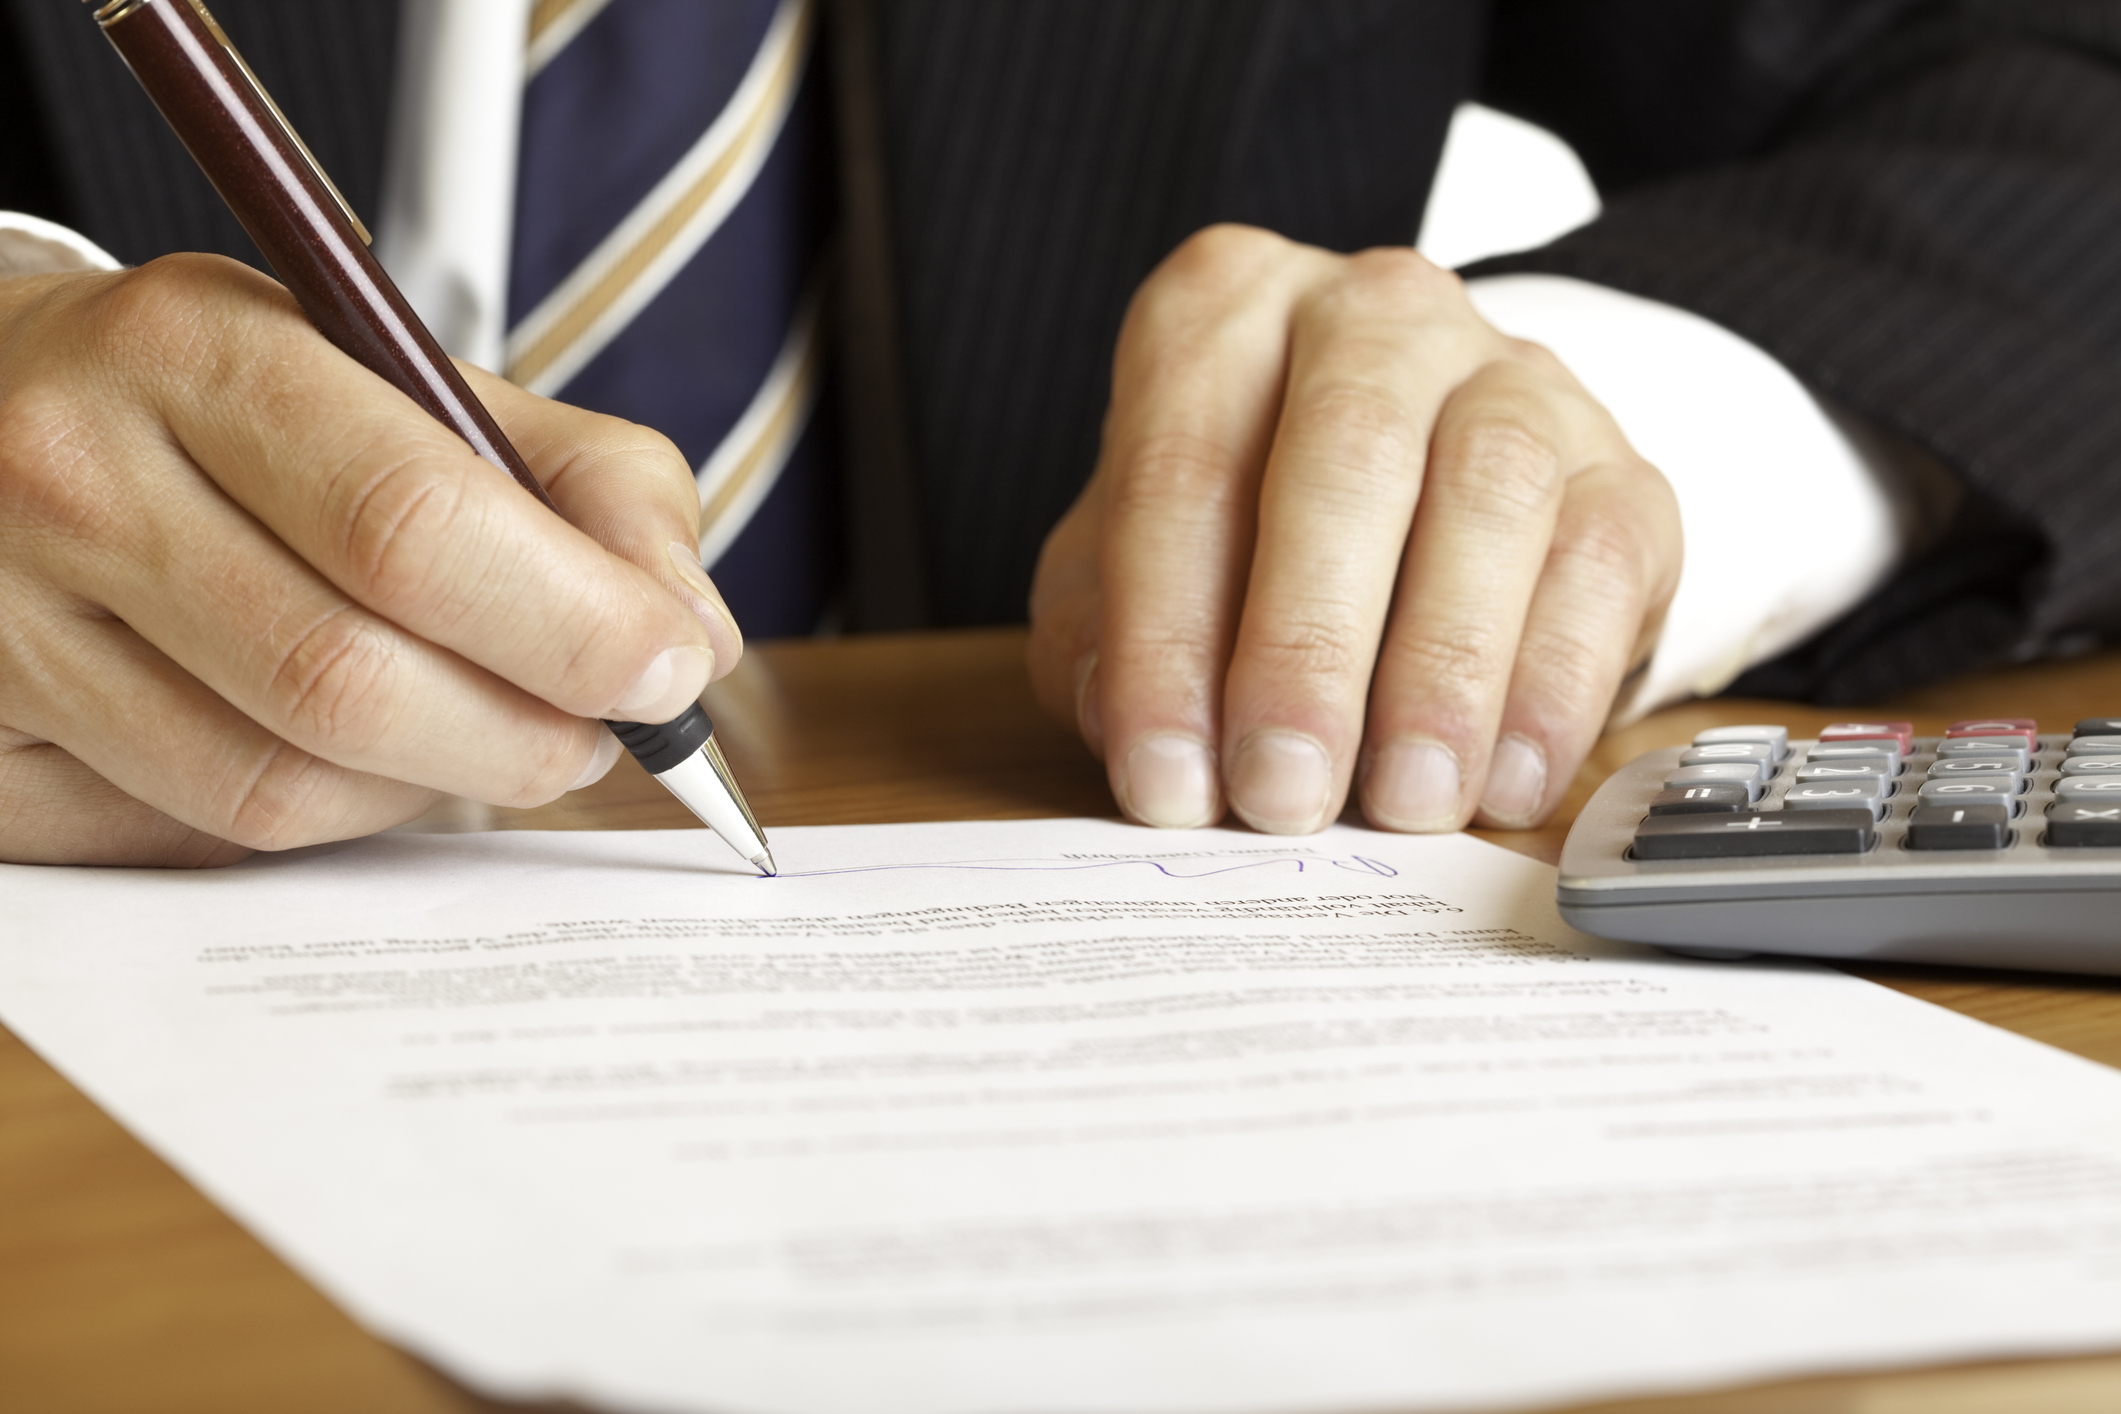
[[670, 218]]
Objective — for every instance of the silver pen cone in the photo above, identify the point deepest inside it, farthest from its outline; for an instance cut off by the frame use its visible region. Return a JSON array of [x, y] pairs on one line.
[[683, 755], [702, 781]]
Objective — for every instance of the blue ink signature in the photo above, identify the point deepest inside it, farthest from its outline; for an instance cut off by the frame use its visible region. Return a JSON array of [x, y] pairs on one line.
[[1355, 862]]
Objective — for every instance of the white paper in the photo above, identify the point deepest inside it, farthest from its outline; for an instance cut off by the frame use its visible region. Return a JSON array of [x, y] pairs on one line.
[[1059, 1116]]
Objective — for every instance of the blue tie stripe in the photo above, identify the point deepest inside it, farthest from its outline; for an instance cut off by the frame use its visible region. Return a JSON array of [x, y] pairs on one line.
[[610, 115], [606, 120]]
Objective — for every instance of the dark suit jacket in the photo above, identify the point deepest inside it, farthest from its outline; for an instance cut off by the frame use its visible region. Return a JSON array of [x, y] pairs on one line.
[[1914, 204]]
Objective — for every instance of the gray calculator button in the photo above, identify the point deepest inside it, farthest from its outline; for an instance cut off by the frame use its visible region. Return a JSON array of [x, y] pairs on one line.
[[2095, 726], [1971, 788], [1772, 736], [1754, 832], [2094, 746], [1962, 826], [2092, 766], [2075, 824], [1863, 792], [1728, 751], [1840, 750], [1694, 800], [1748, 773], [1853, 768], [1959, 745], [1953, 766], [2089, 788], [2011, 749]]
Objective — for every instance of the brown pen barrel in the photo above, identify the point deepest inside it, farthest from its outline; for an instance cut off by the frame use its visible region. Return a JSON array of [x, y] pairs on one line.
[[294, 214]]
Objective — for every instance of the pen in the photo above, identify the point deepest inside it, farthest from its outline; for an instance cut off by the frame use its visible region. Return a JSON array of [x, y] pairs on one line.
[[319, 249]]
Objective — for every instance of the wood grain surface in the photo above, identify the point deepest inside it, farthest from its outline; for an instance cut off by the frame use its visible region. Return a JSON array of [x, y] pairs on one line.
[[124, 1291]]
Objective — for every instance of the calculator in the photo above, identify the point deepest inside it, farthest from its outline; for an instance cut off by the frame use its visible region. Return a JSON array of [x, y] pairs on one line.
[[1993, 845]]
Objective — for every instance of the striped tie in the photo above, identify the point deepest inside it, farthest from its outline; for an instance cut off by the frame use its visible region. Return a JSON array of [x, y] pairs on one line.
[[670, 218]]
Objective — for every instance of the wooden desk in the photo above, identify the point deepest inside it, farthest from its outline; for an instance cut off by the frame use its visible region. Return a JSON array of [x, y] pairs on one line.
[[123, 1290]]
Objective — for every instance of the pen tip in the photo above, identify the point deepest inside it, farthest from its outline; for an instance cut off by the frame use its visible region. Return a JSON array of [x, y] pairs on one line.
[[763, 862]]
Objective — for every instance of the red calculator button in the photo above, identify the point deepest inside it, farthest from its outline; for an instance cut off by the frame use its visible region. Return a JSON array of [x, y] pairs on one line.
[[1996, 726], [1902, 732]]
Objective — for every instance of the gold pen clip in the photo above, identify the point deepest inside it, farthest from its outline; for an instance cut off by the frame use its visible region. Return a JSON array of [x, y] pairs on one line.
[[116, 10]]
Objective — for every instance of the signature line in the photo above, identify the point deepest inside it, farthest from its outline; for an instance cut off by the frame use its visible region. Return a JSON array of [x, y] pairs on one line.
[[1355, 862]]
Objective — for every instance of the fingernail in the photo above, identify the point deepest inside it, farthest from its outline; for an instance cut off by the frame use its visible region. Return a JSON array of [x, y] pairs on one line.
[[1170, 782], [672, 682], [712, 609], [1517, 782], [1280, 782], [1413, 785], [601, 761]]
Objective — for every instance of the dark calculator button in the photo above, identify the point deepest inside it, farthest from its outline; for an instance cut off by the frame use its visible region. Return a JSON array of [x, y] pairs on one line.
[[1695, 800], [1959, 827], [2098, 726], [1750, 833], [2074, 824]]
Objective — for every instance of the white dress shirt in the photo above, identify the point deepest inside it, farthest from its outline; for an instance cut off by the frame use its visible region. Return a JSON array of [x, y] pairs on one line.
[[1745, 445]]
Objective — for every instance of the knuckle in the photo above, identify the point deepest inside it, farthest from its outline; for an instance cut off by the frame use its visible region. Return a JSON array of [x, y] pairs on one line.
[[1461, 662], [1360, 430], [387, 510], [1173, 467], [1495, 459], [48, 470], [1609, 546], [335, 684], [279, 806], [164, 311], [1323, 642], [1403, 272], [1570, 675], [1225, 253]]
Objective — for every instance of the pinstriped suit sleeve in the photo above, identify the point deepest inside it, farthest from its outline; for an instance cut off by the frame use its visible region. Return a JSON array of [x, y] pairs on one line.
[[1917, 209]]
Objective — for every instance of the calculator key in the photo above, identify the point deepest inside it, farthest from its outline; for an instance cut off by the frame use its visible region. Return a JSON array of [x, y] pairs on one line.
[[1773, 736], [1729, 751], [1995, 726], [1694, 800], [2094, 746], [1885, 756], [1902, 732], [1970, 788], [1754, 832], [1745, 773], [2091, 788], [2074, 824], [2091, 766], [2098, 726], [1950, 767], [1886, 747], [1963, 826], [1854, 768], [1866, 794], [2009, 747]]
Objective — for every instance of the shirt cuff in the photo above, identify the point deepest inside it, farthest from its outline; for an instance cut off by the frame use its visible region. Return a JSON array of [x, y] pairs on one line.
[[1793, 513], [30, 246]]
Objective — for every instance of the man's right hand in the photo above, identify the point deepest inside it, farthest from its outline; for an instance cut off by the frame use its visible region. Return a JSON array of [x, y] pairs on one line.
[[255, 598]]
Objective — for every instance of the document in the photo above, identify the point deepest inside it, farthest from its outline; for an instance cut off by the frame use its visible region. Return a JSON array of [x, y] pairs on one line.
[[1064, 1117]]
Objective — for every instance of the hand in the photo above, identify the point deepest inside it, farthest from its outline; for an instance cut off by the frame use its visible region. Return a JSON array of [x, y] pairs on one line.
[[255, 598], [1341, 527]]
